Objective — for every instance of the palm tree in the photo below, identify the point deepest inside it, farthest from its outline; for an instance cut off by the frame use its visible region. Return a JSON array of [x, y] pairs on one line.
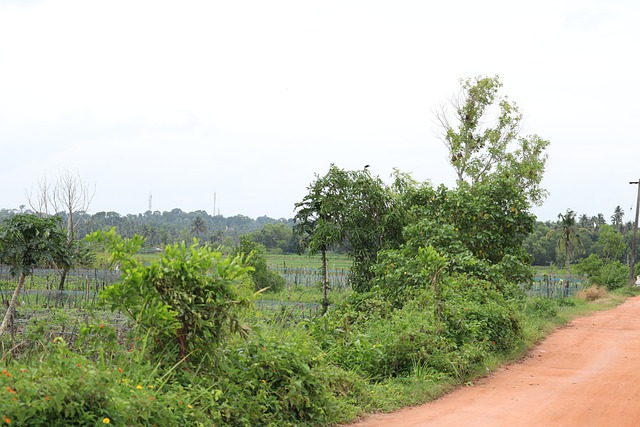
[[617, 218], [585, 221], [569, 238], [198, 227]]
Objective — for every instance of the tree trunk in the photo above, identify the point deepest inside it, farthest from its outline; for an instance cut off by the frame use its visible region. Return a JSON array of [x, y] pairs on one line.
[[63, 277], [12, 305], [325, 285]]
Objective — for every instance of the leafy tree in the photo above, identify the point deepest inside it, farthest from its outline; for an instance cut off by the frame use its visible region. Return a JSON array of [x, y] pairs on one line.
[[541, 244], [609, 273], [598, 220], [318, 219], [27, 241], [276, 236], [374, 221], [481, 130], [69, 197], [610, 245], [480, 229], [355, 210]]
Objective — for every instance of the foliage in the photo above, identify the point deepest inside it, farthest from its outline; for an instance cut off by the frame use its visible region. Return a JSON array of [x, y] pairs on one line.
[[185, 302], [276, 237], [610, 244], [67, 388], [28, 241], [479, 230], [482, 136], [366, 336], [318, 219], [256, 258], [604, 272], [541, 244], [590, 235], [357, 211], [279, 378]]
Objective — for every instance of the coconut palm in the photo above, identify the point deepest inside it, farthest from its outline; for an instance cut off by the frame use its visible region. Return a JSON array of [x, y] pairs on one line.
[[569, 239], [617, 218]]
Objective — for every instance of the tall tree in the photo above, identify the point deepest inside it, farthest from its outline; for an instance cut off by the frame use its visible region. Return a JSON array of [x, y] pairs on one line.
[[610, 244], [569, 238], [356, 210], [70, 197], [481, 130], [198, 227], [318, 218], [27, 241], [617, 219]]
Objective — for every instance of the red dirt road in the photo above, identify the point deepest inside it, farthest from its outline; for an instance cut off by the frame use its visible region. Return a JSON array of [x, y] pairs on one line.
[[586, 374]]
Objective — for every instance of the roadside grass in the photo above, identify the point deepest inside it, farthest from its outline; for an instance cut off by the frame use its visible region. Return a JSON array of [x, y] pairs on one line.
[[421, 386], [280, 311]]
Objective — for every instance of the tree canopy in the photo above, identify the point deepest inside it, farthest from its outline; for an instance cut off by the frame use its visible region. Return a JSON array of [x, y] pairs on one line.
[[481, 130]]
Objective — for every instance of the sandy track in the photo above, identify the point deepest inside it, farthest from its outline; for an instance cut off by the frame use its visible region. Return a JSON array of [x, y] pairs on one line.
[[586, 374]]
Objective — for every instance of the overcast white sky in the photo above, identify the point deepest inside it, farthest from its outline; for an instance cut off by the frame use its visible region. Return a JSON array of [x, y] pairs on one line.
[[247, 100]]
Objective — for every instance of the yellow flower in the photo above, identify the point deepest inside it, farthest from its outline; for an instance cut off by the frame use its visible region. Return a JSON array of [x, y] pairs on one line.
[[189, 406], [106, 420], [139, 387]]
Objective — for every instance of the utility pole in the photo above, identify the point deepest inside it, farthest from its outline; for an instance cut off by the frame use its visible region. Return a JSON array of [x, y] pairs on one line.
[[632, 263]]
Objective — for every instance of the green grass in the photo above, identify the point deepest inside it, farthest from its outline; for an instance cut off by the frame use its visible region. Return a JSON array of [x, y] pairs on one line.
[[420, 387], [334, 261]]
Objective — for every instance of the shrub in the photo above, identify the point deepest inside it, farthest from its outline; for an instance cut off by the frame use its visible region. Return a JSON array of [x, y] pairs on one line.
[[262, 277], [185, 302], [280, 379], [381, 343], [66, 389], [592, 293], [611, 274]]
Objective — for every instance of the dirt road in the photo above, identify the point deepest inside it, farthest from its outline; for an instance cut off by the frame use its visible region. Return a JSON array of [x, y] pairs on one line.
[[586, 374]]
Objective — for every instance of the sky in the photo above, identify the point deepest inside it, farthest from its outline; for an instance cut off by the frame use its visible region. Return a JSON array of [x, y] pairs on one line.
[[237, 105]]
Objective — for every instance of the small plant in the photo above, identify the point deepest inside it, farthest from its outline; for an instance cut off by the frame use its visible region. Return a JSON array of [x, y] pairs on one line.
[[183, 303]]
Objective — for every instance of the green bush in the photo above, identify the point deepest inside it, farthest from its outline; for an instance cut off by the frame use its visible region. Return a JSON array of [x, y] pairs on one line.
[[607, 273], [281, 380], [476, 311], [262, 277], [65, 389], [367, 336], [183, 303]]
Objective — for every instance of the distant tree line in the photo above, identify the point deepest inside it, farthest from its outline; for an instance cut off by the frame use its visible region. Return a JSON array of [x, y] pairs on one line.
[[589, 235], [163, 228]]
